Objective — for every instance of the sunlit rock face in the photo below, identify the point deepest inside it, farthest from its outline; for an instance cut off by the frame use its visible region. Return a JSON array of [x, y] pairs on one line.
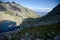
[[15, 12]]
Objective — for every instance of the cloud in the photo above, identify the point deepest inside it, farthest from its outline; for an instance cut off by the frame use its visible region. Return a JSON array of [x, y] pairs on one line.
[[43, 9]]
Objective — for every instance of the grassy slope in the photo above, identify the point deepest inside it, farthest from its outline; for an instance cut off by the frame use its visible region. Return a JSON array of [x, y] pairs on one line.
[[43, 29]]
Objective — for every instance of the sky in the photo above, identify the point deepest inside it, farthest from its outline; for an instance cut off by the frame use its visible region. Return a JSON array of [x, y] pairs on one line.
[[38, 5]]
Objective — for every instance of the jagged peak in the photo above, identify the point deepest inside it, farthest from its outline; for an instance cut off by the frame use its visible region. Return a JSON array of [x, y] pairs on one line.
[[8, 2]]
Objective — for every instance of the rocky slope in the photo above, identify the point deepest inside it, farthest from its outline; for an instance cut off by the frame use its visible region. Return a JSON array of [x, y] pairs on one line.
[[15, 12]]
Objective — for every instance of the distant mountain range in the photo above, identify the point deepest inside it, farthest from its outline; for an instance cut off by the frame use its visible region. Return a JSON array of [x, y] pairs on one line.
[[41, 13]]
